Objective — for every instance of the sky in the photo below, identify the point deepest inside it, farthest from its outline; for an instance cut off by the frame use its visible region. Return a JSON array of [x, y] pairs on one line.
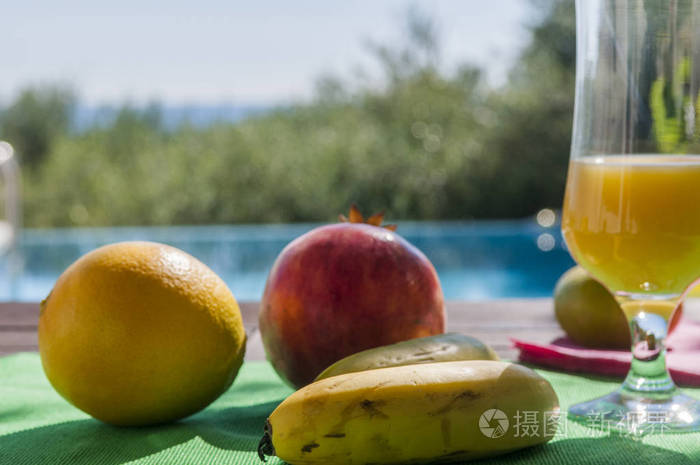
[[247, 52]]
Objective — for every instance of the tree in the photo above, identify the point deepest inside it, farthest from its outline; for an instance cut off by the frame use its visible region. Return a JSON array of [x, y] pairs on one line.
[[423, 145], [34, 120], [527, 152]]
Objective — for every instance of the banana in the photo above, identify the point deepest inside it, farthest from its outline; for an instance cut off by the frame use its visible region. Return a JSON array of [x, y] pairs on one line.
[[444, 411], [438, 348]]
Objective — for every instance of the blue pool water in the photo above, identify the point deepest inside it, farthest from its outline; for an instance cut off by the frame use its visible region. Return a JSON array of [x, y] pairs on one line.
[[475, 260]]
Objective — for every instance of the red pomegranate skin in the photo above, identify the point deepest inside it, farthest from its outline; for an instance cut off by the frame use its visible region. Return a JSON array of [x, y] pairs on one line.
[[343, 288]]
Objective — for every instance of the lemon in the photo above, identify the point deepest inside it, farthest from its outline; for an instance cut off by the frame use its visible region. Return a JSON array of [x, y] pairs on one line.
[[588, 312], [140, 333]]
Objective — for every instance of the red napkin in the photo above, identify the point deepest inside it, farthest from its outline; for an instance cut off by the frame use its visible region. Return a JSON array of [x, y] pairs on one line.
[[683, 357]]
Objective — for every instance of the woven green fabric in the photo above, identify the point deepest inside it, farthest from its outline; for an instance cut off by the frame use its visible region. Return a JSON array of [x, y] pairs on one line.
[[39, 427]]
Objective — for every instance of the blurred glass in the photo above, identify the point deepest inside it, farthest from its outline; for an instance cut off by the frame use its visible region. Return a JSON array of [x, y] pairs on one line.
[[10, 216]]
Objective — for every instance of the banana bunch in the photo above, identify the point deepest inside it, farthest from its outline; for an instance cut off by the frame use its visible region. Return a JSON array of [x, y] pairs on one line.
[[445, 411]]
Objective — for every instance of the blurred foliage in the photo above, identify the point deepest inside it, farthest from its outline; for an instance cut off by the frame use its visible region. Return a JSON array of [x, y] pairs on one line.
[[35, 119], [532, 136], [423, 145]]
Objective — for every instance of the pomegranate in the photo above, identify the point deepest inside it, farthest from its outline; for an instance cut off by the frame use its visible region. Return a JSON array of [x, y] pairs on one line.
[[343, 288]]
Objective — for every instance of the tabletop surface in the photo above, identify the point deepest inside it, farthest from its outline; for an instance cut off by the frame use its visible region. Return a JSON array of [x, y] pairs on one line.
[[39, 416], [493, 322]]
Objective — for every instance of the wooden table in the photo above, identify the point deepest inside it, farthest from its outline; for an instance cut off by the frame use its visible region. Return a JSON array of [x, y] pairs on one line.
[[494, 322]]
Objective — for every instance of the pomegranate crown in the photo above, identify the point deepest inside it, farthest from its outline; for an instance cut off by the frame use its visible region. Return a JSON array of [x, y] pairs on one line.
[[356, 217]]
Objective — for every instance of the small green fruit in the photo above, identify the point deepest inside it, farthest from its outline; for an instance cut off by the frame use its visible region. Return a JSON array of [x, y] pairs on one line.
[[588, 312]]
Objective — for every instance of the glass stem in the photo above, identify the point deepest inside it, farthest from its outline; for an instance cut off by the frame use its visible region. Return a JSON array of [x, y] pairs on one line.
[[648, 322]]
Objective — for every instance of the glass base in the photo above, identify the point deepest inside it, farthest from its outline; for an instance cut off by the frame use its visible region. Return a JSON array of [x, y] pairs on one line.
[[625, 413]]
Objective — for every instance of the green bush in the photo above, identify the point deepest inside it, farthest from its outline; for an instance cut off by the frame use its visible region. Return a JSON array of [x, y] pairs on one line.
[[425, 145]]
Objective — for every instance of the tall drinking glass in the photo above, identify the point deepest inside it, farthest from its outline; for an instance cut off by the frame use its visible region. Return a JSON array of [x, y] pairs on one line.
[[10, 221], [632, 204]]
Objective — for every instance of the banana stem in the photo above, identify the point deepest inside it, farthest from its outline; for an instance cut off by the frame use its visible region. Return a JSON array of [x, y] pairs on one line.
[[265, 446]]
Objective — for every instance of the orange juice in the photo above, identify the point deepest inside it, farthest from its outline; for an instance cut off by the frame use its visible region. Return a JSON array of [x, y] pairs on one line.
[[633, 221]]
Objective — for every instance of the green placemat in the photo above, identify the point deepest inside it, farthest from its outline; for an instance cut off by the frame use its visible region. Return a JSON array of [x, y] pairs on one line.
[[39, 427]]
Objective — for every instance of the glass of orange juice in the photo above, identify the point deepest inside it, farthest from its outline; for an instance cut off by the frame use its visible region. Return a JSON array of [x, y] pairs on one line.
[[632, 204]]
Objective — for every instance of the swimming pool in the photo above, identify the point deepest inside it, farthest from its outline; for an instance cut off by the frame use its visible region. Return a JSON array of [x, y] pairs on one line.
[[475, 260]]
